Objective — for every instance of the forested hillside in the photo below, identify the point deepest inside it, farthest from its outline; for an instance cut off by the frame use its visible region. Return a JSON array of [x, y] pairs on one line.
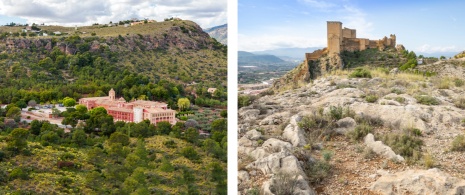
[[172, 61], [168, 55]]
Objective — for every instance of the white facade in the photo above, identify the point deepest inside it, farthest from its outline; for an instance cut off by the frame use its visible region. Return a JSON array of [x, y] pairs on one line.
[[138, 114]]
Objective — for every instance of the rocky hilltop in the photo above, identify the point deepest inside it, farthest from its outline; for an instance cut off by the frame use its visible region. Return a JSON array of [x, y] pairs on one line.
[[365, 131], [220, 33], [183, 35], [178, 51]]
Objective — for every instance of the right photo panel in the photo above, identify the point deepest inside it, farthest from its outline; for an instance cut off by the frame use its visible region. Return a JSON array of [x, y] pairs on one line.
[[351, 97]]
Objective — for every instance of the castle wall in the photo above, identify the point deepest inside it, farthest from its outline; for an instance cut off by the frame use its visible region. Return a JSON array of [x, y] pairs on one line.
[[350, 44], [315, 54], [334, 37], [349, 33], [372, 44]]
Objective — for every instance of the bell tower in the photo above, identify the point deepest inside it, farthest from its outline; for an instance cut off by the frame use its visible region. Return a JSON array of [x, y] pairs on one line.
[[112, 94]]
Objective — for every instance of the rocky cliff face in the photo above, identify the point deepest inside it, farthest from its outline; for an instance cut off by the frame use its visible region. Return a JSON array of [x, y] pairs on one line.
[[312, 69], [277, 137], [308, 70]]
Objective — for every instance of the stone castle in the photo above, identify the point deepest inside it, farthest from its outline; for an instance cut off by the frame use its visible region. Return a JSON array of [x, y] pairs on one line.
[[345, 39]]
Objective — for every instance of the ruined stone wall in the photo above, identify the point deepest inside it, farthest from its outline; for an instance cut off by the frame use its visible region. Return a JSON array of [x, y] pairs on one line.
[[315, 54], [372, 44], [351, 44], [334, 37], [349, 33]]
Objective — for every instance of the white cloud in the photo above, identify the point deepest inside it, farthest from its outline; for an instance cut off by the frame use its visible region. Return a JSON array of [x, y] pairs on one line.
[[425, 48], [266, 42], [356, 19], [321, 4], [206, 13]]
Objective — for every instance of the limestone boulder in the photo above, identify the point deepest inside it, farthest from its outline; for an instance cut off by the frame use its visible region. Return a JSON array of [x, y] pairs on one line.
[[432, 181], [249, 115], [293, 133], [379, 148], [345, 125], [275, 119], [253, 135]]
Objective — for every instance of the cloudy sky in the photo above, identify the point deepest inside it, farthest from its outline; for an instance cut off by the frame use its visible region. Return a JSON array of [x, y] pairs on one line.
[[422, 26], [206, 13]]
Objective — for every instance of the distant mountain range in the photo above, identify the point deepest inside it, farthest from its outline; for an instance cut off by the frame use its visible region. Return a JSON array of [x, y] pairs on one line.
[[288, 54], [248, 58], [220, 33], [437, 54]]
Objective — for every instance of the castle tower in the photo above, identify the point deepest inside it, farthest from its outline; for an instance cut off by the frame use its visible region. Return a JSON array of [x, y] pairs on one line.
[[393, 40], [112, 94], [334, 37]]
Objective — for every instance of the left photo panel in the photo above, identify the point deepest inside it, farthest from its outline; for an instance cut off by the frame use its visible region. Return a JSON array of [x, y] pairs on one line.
[[121, 97]]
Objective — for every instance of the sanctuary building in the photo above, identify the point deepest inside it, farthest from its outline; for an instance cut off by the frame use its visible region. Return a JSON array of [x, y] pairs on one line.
[[134, 111]]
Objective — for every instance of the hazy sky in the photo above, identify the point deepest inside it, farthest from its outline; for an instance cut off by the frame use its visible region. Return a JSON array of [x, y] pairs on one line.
[[206, 13], [422, 26]]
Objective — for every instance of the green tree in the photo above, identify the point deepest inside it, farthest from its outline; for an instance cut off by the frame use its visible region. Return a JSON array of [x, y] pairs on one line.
[[163, 128], [14, 113], [79, 137], [21, 104], [55, 112], [218, 175], [224, 113], [219, 129], [190, 153], [191, 135], [118, 137], [183, 104], [69, 102], [35, 127], [18, 139]]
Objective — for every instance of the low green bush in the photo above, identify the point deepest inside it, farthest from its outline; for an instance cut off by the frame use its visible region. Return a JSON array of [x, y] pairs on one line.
[[427, 100], [405, 145], [360, 131], [360, 73], [458, 144], [400, 99], [371, 98]]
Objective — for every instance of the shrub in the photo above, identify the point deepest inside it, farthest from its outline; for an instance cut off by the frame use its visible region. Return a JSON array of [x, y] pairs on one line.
[[245, 100], [336, 112], [460, 103], [18, 173], [190, 153], [327, 155], [316, 171], [459, 143], [284, 184], [169, 144], [427, 100], [429, 161], [397, 91], [371, 98], [369, 153], [360, 131], [400, 99], [404, 144], [360, 73], [443, 84], [312, 122], [459, 82], [412, 131]]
